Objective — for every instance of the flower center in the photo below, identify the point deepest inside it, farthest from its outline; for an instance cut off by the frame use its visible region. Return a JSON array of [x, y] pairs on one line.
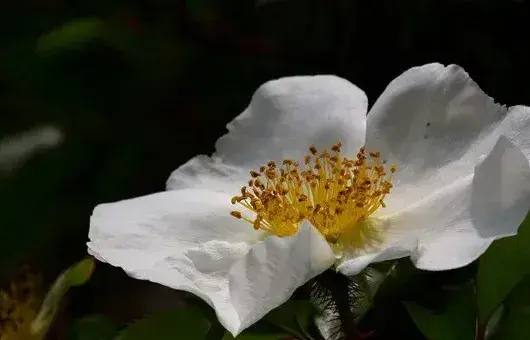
[[18, 307], [334, 193]]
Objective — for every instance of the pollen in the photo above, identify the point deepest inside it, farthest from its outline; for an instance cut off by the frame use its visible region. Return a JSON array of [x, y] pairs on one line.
[[19, 306], [334, 193]]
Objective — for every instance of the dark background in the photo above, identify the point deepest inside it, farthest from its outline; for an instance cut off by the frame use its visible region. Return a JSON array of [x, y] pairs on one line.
[[139, 87]]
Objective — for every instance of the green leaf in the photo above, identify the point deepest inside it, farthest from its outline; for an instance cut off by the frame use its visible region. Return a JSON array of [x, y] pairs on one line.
[[186, 324], [93, 327], [456, 321], [76, 275], [70, 36], [501, 268], [514, 324], [293, 317], [493, 324]]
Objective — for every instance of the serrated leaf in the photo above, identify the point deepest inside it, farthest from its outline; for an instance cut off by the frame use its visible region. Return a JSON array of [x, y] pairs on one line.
[[514, 324], [501, 268], [70, 36], [93, 327], [455, 322], [186, 324]]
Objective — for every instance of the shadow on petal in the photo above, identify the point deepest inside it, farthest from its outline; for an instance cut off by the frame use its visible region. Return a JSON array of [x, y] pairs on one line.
[[500, 191]]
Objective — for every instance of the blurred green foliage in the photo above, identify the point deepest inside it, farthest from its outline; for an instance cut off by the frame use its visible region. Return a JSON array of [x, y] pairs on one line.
[[501, 269], [138, 87], [456, 321], [70, 36], [174, 324], [514, 321], [93, 327]]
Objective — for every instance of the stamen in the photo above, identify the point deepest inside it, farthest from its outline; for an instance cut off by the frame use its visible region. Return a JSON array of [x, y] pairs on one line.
[[333, 193], [236, 214]]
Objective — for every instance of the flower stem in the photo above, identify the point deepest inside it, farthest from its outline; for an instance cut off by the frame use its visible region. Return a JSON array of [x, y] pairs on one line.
[[337, 285]]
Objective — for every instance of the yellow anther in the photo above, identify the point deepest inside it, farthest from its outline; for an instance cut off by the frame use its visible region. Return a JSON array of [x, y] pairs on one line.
[[333, 193], [236, 214], [337, 147]]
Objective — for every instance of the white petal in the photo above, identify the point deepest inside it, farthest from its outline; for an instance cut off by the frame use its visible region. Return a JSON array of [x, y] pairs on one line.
[[499, 202], [436, 124], [397, 246], [287, 115], [203, 172], [272, 270], [516, 127], [284, 118], [191, 216], [186, 240], [456, 224]]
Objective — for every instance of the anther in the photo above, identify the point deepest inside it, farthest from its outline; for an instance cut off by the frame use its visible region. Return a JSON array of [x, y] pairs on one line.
[[337, 147], [236, 214], [328, 186], [302, 198]]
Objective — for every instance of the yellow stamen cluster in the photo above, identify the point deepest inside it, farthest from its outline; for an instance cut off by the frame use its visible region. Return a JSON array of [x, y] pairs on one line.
[[332, 192], [18, 307]]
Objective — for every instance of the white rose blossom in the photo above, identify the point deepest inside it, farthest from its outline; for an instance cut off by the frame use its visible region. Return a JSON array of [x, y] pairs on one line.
[[436, 171]]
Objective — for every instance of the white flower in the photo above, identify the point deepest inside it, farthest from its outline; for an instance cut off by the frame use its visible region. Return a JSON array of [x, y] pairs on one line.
[[462, 181]]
